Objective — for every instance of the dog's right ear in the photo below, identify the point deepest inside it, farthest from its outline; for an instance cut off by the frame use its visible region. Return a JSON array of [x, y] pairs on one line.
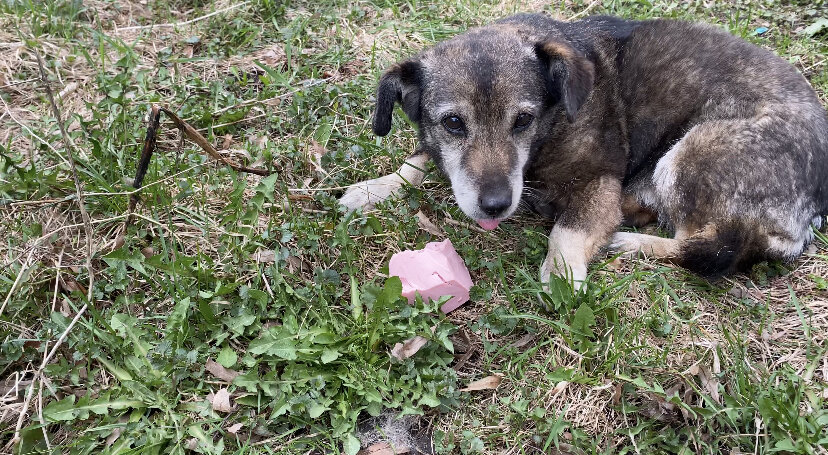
[[400, 84]]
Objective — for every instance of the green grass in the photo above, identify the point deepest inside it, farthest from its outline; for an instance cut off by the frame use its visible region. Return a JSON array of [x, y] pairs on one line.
[[271, 279]]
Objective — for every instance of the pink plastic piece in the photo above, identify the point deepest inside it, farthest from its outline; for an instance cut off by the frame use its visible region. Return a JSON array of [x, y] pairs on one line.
[[488, 225], [435, 271]]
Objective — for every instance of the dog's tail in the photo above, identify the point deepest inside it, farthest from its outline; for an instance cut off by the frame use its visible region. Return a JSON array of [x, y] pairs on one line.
[[719, 249]]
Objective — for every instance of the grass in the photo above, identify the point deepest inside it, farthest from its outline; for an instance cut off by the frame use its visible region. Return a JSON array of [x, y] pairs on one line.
[[264, 289]]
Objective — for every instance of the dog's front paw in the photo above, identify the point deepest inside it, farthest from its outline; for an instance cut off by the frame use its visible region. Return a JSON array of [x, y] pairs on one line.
[[367, 194], [554, 265]]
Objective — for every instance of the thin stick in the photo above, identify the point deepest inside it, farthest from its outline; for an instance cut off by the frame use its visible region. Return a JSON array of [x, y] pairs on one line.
[[179, 24], [60, 229], [196, 137], [39, 372], [57, 279], [23, 268], [31, 133], [71, 198], [583, 11], [88, 226], [310, 83], [68, 143], [143, 162], [40, 417], [150, 141]]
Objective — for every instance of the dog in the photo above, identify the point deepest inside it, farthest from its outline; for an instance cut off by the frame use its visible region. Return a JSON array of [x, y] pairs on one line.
[[605, 122]]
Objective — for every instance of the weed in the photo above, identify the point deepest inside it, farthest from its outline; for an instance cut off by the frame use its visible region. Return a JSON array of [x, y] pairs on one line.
[[263, 291]]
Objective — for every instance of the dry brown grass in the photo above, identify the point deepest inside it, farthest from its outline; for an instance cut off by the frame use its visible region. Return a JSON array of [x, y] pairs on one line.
[[771, 342]]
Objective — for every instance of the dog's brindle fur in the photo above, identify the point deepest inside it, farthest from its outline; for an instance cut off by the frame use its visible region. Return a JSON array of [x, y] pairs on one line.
[[724, 142]]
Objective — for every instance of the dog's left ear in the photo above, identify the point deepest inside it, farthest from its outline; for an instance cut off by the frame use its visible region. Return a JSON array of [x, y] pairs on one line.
[[569, 76], [400, 84]]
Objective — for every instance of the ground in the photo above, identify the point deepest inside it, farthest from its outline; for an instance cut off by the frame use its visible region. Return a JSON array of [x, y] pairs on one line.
[[244, 314]]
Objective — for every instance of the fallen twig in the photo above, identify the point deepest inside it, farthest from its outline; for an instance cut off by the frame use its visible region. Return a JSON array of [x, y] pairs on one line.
[[89, 250], [192, 134], [87, 224], [179, 24]]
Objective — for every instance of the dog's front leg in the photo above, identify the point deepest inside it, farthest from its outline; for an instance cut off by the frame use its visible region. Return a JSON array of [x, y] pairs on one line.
[[369, 193], [585, 226]]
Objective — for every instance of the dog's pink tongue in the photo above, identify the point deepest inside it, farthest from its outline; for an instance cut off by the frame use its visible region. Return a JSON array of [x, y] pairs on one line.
[[488, 224]]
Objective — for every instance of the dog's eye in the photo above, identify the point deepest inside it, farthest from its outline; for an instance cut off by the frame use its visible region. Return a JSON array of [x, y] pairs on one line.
[[523, 121], [454, 124]]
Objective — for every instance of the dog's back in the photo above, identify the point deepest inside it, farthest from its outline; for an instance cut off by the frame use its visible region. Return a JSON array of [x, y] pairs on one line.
[[724, 132]]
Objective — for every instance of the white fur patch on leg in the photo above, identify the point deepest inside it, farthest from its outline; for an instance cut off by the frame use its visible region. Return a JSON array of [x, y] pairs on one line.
[[566, 256], [650, 245], [369, 193]]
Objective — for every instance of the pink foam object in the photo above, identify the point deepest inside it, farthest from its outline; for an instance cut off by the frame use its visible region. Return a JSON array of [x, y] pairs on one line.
[[435, 271]]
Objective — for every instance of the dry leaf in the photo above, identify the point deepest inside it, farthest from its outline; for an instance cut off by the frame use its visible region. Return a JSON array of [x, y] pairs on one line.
[[235, 153], [352, 68], [523, 341], [273, 56], [383, 448], [407, 348], [717, 364], [64, 308], [615, 264], [119, 242], [294, 263], [221, 401], [217, 370], [694, 369], [116, 433], [266, 256], [233, 429], [738, 292], [315, 153], [70, 285], [426, 225], [260, 141], [489, 382], [710, 383], [70, 87], [227, 141], [559, 387], [656, 407], [616, 394]]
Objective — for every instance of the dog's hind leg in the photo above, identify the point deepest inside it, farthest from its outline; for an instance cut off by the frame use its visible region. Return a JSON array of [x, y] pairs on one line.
[[649, 245], [716, 249], [369, 193]]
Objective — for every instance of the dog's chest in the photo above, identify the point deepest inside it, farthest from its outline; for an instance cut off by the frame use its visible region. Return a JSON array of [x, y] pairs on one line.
[[569, 162]]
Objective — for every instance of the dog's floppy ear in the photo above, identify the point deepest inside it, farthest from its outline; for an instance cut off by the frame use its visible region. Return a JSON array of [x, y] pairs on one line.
[[401, 83], [569, 76]]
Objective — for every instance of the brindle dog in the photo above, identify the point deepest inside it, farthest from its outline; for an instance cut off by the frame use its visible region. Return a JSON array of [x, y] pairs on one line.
[[607, 121]]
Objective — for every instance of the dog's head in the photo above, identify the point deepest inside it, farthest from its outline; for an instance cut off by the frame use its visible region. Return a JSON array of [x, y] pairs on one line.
[[484, 101]]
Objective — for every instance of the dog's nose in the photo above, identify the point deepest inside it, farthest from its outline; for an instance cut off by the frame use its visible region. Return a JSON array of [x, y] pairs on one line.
[[495, 199]]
